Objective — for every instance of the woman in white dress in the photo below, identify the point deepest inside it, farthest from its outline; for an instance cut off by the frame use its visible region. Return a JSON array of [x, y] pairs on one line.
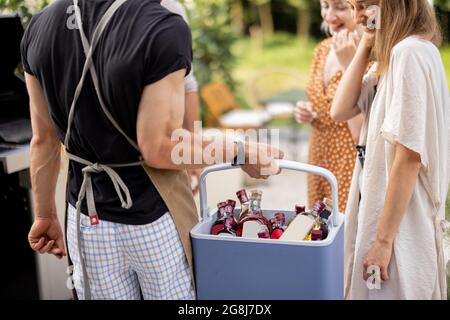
[[396, 209]]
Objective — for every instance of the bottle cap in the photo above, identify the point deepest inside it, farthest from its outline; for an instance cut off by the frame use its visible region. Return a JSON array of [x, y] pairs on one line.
[[316, 235], [242, 196], [256, 194], [280, 218], [319, 206], [300, 209], [222, 209], [328, 203], [325, 214], [231, 203], [222, 204]]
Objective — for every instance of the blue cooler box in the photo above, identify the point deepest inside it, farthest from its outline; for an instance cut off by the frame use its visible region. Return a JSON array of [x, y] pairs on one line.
[[266, 269]]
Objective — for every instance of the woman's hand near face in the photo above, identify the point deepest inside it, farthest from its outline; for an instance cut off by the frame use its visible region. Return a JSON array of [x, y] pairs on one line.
[[368, 40], [304, 113], [345, 44]]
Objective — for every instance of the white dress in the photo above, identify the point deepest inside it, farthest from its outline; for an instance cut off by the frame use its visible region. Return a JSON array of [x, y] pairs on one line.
[[411, 108]]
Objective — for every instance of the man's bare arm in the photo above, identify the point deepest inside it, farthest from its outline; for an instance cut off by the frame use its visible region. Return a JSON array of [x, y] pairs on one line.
[[45, 235], [45, 152], [161, 111], [192, 111]]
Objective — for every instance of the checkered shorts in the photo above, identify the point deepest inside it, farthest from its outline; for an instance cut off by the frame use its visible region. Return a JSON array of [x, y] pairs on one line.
[[123, 261]]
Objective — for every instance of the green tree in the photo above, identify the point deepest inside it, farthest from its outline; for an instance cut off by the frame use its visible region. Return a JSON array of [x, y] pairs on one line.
[[237, 16], [23, 7], [444, 7], [304, 20], [443, 4], [212, 39], [265, 16]]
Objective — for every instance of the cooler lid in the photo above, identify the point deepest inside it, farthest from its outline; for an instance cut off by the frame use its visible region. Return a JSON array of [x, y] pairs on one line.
[[11, 33]]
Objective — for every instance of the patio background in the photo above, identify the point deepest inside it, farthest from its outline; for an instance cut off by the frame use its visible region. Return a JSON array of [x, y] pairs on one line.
[[237, 41]]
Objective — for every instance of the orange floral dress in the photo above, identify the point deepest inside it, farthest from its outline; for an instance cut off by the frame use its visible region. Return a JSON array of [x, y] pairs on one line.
[[331, 145]]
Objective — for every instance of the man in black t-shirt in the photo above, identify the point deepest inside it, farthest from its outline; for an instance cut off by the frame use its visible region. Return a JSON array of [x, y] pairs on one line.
[[119, 118]]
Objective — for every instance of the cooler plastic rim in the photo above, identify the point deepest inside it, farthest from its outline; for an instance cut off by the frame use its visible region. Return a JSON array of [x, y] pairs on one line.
[[283, 164]]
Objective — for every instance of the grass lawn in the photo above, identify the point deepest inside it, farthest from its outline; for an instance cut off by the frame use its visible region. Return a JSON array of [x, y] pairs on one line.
[[445, 53], [282, 51]]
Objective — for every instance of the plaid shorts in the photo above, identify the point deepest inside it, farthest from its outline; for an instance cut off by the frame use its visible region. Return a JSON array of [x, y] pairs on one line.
[[125, 261]]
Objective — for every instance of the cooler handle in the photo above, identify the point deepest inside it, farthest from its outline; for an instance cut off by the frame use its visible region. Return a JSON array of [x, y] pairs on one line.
[[283, 164]]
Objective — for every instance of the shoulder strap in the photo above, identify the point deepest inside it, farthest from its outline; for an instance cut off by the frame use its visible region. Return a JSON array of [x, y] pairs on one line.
[[89, 66]]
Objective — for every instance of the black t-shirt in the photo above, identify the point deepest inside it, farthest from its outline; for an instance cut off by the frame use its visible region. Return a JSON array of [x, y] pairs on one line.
[[142, 44]]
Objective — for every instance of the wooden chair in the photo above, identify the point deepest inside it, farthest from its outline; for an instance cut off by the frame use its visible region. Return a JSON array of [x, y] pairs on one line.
[[224, 111]]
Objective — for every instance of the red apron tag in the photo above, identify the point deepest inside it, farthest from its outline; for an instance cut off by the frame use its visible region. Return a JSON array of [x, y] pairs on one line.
[[94, 219]]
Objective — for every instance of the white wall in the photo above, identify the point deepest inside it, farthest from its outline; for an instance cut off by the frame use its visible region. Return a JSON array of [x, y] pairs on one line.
[[51, 271]]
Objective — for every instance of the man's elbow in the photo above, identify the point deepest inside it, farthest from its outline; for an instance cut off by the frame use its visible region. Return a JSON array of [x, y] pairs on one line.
[[155, 161], [44, 140], [153, 156]]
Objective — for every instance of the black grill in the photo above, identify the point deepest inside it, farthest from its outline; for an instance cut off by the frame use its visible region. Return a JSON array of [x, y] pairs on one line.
[[13, 95], [15, 134]]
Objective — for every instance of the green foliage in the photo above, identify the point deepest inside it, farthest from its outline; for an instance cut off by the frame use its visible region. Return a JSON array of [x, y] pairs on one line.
[[284, 51], [443, 4], [301, 4], [281, 51], [260, 2], [212, 37], [23, 7], [445, 53]]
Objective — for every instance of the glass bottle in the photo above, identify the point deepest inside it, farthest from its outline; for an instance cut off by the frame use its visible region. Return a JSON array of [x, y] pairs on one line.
[[325, 216], [229, 228], [318, 208], [254, 223], [316, 235], [278, 225], [328, 209], [300, 209], [221, 215], [245, 203], [230, 218], [299, 228], [315, 213]]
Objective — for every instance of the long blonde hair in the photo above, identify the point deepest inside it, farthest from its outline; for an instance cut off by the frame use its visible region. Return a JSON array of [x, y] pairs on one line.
[[399, 20]]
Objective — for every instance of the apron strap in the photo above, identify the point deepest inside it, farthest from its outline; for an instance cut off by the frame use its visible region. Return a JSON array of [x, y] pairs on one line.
[[86, 190], [89, 66]]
